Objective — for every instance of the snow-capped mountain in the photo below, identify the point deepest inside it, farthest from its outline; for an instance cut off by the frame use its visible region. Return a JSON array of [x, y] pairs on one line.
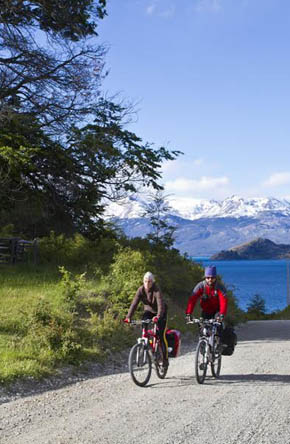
[[193, 209], [204, 227]]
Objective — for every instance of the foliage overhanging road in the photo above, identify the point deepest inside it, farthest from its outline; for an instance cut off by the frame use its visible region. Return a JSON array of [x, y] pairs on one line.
[[250, 403]]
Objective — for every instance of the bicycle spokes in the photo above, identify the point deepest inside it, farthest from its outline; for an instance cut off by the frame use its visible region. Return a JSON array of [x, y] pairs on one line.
[[161, 369], [140, 364], [201, 361]]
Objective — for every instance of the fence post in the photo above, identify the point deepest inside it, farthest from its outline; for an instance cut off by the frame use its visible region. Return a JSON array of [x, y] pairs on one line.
[[13, 248], [35, 251]]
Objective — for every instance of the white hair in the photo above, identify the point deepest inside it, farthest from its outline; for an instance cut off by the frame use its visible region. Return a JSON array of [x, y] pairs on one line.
[[149, 276]]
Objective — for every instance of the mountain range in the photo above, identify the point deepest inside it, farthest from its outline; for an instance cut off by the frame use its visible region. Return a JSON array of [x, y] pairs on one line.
[[205, 227]]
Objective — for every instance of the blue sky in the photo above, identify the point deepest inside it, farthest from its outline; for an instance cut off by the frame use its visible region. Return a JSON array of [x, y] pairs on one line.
[[210, 78]]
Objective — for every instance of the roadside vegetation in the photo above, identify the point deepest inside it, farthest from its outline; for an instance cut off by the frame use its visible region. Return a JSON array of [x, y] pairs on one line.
[[257, 310], [69, 308]]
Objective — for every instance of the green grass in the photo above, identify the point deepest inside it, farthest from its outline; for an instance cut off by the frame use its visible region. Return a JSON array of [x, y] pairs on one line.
[[50, 319], [20, 289], [41, 330]]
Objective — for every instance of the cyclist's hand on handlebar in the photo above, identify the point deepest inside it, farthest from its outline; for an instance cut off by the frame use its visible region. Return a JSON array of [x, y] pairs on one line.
[[220, 319], [188, 318], [155, 319], [127, 320]]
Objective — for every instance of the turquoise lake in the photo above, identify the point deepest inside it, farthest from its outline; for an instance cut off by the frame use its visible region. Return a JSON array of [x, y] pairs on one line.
[[268, 278]]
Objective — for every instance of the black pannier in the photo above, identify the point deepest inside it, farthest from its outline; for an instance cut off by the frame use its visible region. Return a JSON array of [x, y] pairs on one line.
[[229, 341]]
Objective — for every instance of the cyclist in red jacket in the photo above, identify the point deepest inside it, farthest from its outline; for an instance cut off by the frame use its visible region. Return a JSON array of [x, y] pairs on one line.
[[154, 308], [212, 295]]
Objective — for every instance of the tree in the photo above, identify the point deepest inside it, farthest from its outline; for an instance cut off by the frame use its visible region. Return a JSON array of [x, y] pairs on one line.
[[56, 170], [256, 306], [47, 66], [157, 209], [64, 186]]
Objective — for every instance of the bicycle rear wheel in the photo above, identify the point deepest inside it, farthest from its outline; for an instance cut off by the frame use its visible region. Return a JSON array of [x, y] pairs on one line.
[[200, 361], [140, 364], [217, 359], [216, 366], [161, 371]]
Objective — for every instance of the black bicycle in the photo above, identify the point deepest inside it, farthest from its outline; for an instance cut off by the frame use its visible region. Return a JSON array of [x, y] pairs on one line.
[[147, 350], [209, 348]]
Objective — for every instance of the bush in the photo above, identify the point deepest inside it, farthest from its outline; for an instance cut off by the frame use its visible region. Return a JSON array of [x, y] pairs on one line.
[[125, 277], [71, 286], [256, 308], [7, 231], [109, 334], [54, 331], [77, 251]]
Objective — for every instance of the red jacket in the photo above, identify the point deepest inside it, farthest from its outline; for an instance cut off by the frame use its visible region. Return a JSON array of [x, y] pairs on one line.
[[212, 299]]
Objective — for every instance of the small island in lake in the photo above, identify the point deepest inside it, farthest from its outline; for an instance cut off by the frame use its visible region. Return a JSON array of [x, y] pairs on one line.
[[256, 249]]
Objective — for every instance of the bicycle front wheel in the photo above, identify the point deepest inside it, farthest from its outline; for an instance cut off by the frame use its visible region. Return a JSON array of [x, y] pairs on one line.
[[140, 365], [161, 371], [200, 361]]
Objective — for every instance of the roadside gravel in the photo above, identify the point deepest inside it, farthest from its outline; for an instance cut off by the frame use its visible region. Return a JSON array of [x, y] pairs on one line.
[[250, 403]]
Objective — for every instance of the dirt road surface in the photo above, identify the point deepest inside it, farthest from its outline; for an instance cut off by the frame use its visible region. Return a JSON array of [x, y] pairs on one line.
[[250, 403]]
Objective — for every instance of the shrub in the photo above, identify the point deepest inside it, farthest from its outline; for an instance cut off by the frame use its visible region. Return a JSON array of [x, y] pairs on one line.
[[7, 231], [52, 330], [256, 308], [71, 286], [77, 251], [125, 277], [109, 334]]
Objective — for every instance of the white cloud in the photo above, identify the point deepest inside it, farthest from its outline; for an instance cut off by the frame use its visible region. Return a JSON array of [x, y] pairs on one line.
[[208, 5], [161, 9], [178, 167], [278, 179], [169, 12], [182, 185], [150, 9]]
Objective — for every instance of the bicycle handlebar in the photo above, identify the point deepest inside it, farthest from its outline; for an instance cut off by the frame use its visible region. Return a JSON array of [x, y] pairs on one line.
[[140, 322], [204, 321]]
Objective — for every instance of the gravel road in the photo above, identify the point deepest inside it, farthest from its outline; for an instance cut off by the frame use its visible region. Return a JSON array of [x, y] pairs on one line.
[[250, 403]]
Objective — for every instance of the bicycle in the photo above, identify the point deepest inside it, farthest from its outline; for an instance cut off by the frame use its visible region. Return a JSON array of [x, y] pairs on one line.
[[209, 348], [147, 350]]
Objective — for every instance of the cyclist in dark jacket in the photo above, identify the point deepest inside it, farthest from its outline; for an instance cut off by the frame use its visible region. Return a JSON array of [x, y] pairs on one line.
[[212, 295], [154, 308]]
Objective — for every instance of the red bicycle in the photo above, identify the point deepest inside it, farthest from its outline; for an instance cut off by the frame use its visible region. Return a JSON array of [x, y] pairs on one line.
[[147, 350]]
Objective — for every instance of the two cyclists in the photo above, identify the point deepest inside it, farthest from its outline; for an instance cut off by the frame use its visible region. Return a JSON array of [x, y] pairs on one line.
[[212, 296]]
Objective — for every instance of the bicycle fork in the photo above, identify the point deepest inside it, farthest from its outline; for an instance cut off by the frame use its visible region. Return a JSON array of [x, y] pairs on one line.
[[142, 351], [208, 358]]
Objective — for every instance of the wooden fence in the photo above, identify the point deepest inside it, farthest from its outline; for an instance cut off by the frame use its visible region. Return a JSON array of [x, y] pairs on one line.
[[14, 250]]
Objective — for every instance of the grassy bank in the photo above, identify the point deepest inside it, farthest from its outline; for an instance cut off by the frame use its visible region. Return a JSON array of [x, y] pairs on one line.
[[51, 317]]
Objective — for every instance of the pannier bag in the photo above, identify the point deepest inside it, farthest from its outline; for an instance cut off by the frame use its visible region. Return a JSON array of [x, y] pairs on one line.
[[229, 341], [174, 341]]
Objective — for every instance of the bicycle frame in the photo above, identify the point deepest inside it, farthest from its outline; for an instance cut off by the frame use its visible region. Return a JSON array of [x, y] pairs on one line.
[[208, 332], [148, 337], [147, 350]]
